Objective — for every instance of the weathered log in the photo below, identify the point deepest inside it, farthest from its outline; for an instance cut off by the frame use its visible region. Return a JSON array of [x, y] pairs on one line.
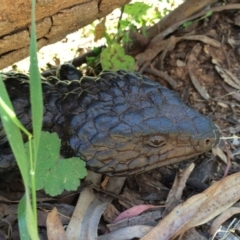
[[54, 20]]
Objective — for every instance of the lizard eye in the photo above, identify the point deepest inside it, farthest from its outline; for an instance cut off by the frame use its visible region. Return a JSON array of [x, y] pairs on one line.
[[156, 141]]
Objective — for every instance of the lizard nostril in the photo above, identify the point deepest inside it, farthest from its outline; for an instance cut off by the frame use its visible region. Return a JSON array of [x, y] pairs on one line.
[[207, 141]]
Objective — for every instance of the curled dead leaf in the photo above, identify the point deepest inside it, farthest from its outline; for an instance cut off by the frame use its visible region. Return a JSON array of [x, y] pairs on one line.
[[198, 209], [222, 218], [202, 90], [54, 226]]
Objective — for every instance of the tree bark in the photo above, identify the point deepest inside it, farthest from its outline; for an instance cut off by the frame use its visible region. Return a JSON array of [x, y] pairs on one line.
[[54, 20]]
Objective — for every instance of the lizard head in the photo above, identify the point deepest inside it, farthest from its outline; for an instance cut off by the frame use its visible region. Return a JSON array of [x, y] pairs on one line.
[[133, 124]]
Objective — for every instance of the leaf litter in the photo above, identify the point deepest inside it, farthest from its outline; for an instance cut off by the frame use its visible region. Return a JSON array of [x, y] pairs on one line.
[[221, 195]]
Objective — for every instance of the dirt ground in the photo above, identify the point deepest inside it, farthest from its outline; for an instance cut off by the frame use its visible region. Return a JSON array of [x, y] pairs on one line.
[[202, 63]]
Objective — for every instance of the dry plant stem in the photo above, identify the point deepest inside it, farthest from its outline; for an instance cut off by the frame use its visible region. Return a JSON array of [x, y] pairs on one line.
[[144, 66], [166, 45], [174, 26], [116, 196], [120, 18], [229, 163], [163, 75], [182, 12]]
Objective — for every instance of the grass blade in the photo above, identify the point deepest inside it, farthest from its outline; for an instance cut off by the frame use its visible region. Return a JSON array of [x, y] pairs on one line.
[[35, 85], [26, 220], [22, 223], [13, 132], [11, 123]]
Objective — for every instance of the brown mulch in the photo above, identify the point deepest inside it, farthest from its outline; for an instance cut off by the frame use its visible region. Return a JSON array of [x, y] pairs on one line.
[[202, 63]]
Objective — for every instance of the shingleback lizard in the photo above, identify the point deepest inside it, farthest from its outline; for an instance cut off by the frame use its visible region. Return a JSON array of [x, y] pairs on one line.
[[120, 123]]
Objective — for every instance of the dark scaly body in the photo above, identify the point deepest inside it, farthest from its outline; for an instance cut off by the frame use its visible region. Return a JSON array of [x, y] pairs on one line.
[[120, 123]]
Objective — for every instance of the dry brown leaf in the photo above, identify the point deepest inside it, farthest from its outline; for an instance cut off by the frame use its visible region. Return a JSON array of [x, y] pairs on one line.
[[174, 221], [233, 42], [127, 233], [193, 234], [202, 90], [180, 63], [110, 213], [89, 228], [222, 218], [222, 105], [227, 76], [175, 194], [131, 198], [105, 182], [134, 211], [3, 210], [217, 151], [198, 209], [234, 93], [4, 200], [195, 71], [100, 29], [237, 20], [86, 197], [147, 218], [55, 229]]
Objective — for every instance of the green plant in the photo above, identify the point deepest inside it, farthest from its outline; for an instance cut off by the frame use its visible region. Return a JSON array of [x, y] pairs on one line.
[[54, 173], [114, 58], [27, 212], [188, 23], [32, 162], [134, 16]]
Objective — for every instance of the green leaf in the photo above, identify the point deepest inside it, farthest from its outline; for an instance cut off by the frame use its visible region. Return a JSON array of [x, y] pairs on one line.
[[209, 13], [64, 175], [90, 61], [187, 24], [114, 58], [97, 51], [137, 9], [124, 24], [55, 174]]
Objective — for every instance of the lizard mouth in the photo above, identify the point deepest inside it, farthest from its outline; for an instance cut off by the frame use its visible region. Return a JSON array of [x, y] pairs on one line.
[[199, 145]]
